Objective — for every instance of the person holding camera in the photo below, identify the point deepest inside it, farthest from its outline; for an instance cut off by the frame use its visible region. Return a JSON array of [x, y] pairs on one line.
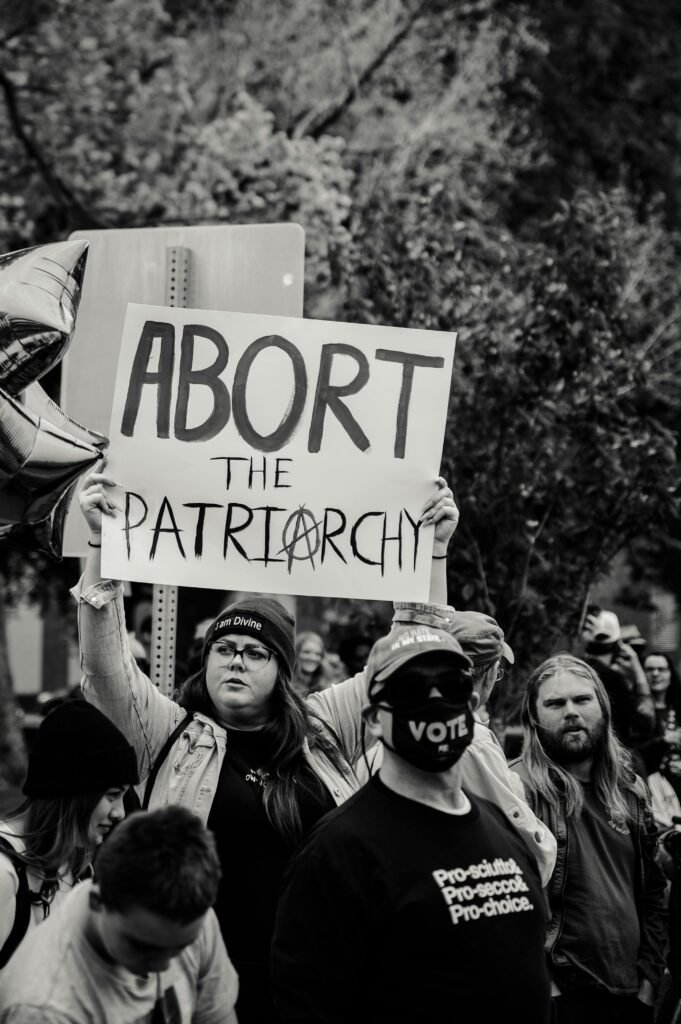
[[619, 669]]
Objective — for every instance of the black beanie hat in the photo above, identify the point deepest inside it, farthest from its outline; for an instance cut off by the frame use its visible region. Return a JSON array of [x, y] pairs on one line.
[[263, 618], [78, 750]]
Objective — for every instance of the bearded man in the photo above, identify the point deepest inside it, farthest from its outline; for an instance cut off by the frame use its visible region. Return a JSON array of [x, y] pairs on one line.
[[605, 940]]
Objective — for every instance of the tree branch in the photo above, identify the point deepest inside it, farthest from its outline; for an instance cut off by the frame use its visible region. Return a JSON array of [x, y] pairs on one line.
[[653, 338], [638, 272], [522, 590], [62, 194], [318, 120], [475, 548]]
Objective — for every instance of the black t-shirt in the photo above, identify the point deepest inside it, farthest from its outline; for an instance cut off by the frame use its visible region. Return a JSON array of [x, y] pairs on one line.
[[252, 852], [394, 911], [601, 935]]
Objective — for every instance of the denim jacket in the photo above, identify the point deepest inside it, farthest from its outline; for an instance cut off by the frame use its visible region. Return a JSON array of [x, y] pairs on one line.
[[114, 683], [649, 890]]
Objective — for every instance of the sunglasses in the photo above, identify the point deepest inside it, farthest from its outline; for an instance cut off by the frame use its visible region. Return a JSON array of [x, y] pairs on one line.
[[410, 690]]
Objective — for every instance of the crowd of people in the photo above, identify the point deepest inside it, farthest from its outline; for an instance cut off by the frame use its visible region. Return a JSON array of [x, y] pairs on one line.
[[319, 850]]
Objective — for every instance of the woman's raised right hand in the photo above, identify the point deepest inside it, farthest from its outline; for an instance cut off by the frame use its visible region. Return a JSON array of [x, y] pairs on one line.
[[95, 500]]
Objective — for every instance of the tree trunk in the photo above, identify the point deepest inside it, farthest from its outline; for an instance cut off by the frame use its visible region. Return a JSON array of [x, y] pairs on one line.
[[12, 746]]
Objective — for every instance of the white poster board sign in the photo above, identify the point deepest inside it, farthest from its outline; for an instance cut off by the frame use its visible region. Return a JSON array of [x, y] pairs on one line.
[[275, 454]]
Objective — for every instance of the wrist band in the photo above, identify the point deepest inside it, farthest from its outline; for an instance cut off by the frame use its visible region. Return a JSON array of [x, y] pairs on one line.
[[439, 556], [91, 545]]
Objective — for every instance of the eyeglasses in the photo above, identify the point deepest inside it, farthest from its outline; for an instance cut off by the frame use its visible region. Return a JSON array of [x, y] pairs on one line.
[[252, 656], [501, 672]]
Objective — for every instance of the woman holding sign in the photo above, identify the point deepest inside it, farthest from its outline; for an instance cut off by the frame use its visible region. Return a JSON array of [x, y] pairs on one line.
[[258, 763]]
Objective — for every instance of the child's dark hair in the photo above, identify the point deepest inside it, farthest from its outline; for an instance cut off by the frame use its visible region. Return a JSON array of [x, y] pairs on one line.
[[164, 861]]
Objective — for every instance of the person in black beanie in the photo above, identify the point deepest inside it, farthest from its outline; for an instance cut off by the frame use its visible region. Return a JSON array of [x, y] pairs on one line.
[[239, 747], [79, 769]]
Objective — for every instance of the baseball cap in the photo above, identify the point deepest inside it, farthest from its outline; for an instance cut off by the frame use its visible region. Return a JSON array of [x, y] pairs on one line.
[[481, 638], [630, 634], [403, 643], [606, 628], [602, 632]]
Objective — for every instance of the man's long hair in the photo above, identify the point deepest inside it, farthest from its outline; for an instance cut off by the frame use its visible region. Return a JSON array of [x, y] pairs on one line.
[[291, 725], [613, 775]]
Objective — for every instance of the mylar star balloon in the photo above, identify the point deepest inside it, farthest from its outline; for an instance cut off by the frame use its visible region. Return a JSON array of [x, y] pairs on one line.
[[48, 534], [36, 399], [40, 464], [39, 296]]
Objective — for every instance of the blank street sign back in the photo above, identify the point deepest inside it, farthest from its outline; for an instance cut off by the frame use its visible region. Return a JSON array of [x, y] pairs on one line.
[[254, 268]]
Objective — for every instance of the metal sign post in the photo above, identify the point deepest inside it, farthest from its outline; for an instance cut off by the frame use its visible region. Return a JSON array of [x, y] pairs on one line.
[[164, 601]]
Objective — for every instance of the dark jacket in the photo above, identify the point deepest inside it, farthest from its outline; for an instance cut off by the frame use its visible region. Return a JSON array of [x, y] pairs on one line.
[[650, 884]]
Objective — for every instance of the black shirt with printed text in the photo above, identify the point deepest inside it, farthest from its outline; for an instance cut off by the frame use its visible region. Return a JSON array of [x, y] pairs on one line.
[[394, 911]]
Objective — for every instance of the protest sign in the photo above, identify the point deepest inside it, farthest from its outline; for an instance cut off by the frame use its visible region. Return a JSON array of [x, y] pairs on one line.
[[275, 454]]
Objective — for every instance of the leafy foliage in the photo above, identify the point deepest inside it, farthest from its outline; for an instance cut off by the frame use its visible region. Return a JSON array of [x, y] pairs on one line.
[[508, 171], [604, 89], [133, 130], [562, 433]]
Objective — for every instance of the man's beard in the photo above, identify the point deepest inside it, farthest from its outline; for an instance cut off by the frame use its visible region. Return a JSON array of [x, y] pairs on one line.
[[572, 747]]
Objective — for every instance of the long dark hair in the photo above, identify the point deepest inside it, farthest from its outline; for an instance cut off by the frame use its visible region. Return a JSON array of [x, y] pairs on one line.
[[613, 770], [672, 697], [291, 724], [55, 832]]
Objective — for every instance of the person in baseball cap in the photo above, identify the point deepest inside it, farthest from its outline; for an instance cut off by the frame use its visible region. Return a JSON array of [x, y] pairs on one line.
[[484, 770], [404, 643], [422, 678], [416, 852], [601, 632], [618, 667], [482, 639]]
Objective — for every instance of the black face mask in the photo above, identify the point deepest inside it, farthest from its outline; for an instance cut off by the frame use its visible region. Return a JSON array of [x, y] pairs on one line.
[[429, 732], [431, 736]]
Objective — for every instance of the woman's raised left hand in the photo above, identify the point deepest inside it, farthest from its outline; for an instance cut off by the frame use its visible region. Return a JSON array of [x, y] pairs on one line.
[[442, 512]]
